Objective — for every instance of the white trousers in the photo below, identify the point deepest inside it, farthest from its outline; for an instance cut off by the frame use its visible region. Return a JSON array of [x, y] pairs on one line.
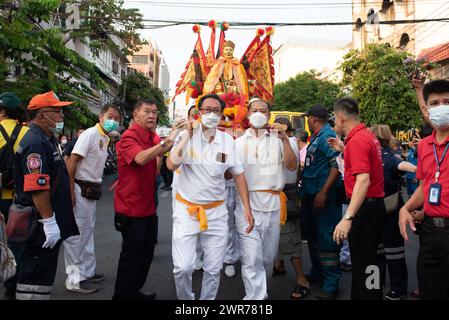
[[258, 250], [213, 244], [232, 251], [79, 251]]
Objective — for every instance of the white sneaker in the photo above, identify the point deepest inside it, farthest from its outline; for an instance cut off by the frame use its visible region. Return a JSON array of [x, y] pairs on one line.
[[198, 264], [230, 271]]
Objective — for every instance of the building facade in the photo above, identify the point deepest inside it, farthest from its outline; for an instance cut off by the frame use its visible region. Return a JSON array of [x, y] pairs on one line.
[[297, 55], [413, 37]]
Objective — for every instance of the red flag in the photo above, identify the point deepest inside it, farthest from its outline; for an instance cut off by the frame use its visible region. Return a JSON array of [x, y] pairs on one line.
[[210, 58], [224, 27], [189, 73], [261, 68], [253, 45]]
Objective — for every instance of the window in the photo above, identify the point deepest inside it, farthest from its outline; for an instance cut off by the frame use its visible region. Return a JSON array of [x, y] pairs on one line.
[[297, 122], [140, 59], [404, 40], [17, 71], [114, 67]]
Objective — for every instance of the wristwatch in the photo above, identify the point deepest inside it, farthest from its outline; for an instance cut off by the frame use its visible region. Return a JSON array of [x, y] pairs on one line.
[[164, 142], [348, 217]]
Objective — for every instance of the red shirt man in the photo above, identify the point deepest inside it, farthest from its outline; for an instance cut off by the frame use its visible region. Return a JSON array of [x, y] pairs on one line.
[[427, 167], [135, 210], [363, 155], [134, 195], [433, 194]]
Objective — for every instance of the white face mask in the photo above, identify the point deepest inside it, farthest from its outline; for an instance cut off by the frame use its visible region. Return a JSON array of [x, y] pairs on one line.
[[210, 120], [63, 142], [258, 120], [439, 116]]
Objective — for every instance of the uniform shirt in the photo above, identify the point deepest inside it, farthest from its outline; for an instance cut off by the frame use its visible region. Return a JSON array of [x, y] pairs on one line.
[[203, 167], [92, 145], [322, 159], [69, 147], [412, 157], [392, 175], [363, 154], [263, 160], [292, 176], [38, 165], [427, 167], [134, 194], [9, 125]]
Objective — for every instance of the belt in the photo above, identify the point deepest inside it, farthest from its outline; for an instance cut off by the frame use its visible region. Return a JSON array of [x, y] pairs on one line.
[[283, 199], [87, 183], [199, 210], [438, 222]]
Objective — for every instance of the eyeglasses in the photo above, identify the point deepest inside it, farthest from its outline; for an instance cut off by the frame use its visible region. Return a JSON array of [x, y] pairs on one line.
[[209, 110]]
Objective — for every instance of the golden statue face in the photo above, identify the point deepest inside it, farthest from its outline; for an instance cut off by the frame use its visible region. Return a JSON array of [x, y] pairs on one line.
[[228, 52]]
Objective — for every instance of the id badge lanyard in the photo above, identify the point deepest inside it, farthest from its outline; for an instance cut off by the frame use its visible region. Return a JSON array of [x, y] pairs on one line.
[[438, 161]]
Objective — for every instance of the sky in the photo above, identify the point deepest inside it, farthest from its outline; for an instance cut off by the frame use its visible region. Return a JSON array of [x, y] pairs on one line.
[[176, 42]]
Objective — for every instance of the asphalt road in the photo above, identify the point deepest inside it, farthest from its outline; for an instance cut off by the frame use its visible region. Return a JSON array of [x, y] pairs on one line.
[[160, 279]]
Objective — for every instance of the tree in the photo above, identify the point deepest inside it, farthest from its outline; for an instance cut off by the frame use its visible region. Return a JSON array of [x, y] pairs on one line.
[[303, 91], [33, 35], [378, 77], [137, 87]]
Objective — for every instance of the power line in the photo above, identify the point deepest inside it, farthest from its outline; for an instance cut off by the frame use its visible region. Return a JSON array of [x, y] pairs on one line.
[[261, 5]]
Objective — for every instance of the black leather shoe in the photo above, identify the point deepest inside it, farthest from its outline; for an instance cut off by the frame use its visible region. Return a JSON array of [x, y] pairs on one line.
[[325, 295], [146, 296]]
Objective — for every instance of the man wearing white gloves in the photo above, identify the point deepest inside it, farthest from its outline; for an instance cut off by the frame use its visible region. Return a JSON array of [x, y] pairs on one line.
[[42, 182]]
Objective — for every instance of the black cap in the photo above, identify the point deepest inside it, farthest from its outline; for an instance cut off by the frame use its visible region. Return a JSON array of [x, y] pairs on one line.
[[318, 111]]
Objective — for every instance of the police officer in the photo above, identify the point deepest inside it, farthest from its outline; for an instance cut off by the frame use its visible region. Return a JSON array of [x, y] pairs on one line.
[[319, 188], [42, 182]]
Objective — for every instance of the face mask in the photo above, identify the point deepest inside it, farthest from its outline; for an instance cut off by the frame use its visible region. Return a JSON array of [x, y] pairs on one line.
[[63, 142], [210, 120], [58, 128], [439, 116], [258, 120], [110, 125]]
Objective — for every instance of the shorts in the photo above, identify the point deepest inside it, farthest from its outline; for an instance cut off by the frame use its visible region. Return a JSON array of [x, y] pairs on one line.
[[290, 239]]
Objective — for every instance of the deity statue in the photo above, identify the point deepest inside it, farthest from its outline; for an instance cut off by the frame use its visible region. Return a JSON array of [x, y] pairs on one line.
[[227, 74]]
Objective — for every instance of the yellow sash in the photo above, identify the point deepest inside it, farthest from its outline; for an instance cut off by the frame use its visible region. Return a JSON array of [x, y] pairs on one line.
[[199, 210], [283, 199]]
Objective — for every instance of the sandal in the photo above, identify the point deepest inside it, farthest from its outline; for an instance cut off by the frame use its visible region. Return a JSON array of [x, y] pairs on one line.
[[301, 290]]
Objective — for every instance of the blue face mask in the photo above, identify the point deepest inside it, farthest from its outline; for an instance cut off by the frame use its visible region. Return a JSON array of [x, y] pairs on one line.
[[110, 125], [58, 128]]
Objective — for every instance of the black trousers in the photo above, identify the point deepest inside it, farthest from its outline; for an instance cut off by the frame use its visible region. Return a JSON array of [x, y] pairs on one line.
[[433, 262], [394, 257], [37, 271], [4, 207], [364, 239], [139, 237]]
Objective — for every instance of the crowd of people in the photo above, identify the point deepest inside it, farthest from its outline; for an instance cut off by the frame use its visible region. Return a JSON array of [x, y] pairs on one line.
[[247, 195]]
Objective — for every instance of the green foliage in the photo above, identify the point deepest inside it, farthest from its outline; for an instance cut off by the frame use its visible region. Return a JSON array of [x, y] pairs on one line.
[[137, 87], [378, 77], [47, 63], [303, 91]]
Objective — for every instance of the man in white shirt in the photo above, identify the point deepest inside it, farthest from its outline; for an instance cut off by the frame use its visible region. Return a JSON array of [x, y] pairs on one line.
[[203, 154], [85, 167], [264, 154]]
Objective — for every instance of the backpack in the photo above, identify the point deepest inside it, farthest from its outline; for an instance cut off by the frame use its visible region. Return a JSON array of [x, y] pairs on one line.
[[7, 157], [7, 261]]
